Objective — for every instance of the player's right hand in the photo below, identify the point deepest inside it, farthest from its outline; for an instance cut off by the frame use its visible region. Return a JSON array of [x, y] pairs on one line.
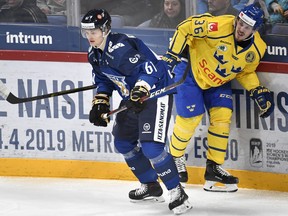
[[100, 106], [135, 102]]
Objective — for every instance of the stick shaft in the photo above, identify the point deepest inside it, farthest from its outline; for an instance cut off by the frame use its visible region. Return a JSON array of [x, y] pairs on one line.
[[11, 98]]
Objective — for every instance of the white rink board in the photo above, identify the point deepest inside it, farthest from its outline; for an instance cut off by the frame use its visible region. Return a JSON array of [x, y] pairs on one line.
[[58, 128], [52, 128]]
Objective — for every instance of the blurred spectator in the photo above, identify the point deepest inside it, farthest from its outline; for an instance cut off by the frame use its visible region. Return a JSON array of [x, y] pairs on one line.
[[53, 7], [87, 5], [2, 2], [136, 12], [278, 10], [133, 12], [239, 4], [173, 12], [22, 11], [202, 6], [221, 7]]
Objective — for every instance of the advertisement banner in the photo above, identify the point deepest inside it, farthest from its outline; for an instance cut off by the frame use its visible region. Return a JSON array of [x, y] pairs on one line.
[[58, 127], [68, 38]]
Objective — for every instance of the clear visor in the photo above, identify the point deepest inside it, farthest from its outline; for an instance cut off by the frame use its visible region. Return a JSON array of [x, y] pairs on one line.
[[89, 28], [86, 32]]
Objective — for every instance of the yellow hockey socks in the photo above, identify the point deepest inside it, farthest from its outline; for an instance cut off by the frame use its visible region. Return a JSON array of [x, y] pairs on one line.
[[218, 133], [183, 130]]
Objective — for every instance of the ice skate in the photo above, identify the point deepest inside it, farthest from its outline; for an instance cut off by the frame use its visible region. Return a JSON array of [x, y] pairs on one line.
[[147, 192], [181, 167], [179, 203], [216, 174]]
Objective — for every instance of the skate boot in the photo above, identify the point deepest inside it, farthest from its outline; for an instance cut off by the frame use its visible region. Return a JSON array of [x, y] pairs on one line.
[[179, 200], [181, 167], [216, 174], [147, 192]]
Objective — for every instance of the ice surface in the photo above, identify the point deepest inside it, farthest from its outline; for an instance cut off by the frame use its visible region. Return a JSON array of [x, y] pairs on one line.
[[89, 197]]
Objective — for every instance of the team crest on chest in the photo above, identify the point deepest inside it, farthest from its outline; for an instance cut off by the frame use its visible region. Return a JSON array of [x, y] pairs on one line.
[[120, 82], [250, 57]]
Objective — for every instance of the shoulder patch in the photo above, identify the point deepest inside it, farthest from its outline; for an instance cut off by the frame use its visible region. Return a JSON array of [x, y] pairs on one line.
[[212, 26]]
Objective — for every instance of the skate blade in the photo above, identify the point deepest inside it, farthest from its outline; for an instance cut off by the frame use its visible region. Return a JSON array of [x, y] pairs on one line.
[[159, 199], [186, 206], [212, 187]]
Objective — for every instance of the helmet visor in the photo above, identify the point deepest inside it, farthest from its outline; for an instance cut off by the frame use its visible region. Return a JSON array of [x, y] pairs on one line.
[[88, 28]]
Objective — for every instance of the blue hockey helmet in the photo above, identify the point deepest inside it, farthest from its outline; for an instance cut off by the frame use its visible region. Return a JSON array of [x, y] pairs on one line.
[[96, 19], [252, 15]]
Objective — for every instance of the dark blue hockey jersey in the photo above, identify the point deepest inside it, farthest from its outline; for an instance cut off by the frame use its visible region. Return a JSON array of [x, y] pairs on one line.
[[124, 61]]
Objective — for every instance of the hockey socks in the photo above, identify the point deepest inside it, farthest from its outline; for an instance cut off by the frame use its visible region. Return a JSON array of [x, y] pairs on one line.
[[166, 169], [140, 166], [183, 130]]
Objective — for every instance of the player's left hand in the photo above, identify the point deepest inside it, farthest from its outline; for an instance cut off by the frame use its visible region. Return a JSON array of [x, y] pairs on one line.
[[264, 100], [171, 60], [135, 102]]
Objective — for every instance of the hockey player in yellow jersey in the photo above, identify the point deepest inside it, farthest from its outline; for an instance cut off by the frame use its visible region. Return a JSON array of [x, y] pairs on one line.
[[220, 49]]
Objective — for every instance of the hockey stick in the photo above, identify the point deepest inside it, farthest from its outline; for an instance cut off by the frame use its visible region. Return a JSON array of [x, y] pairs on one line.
[[11, 98], [153, 94]]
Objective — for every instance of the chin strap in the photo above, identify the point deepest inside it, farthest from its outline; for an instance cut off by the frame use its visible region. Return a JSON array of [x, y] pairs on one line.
[[248, 38]]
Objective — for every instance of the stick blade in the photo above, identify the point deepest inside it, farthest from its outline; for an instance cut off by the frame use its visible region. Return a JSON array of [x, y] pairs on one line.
[[15, 100]]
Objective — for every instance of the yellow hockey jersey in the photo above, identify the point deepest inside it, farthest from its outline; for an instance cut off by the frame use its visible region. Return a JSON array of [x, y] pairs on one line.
[[215, 57]]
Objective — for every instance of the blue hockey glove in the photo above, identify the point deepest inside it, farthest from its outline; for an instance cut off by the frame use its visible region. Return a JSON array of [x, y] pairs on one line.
[[100, 106], [135, 102], [264, 100], [171, 60]]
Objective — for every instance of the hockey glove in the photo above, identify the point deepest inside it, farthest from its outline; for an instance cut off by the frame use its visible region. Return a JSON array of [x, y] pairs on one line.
[[264, 100], [171, 60], [135, 102], [100, 106]]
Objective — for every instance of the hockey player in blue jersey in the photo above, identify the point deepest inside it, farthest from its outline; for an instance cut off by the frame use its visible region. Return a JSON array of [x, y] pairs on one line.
[[125, 64]]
